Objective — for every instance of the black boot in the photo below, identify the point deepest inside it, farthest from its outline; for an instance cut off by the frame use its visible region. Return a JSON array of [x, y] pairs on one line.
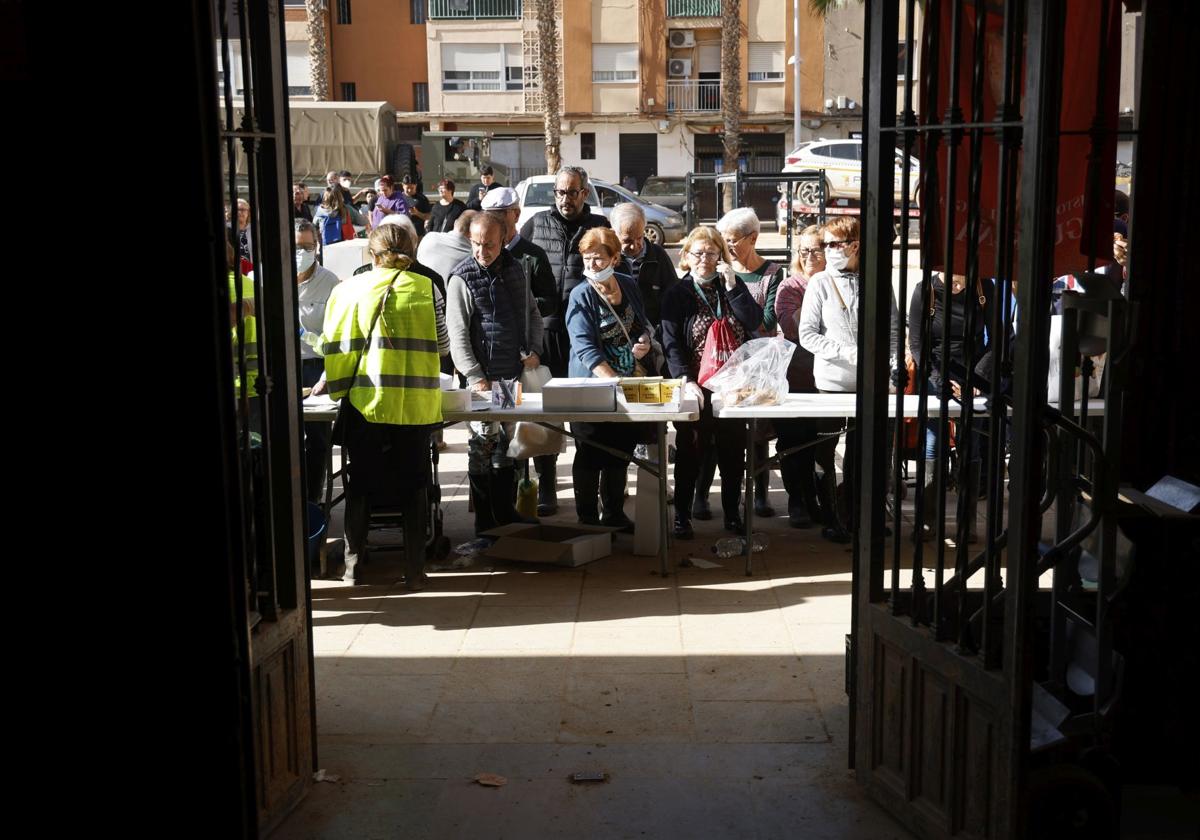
[[793, 483], [481, 491], [834, 530], [731, 503], [504, 497], [708, 470], [586, 483], [612, 487], [924, 530], [356, 523], [762, 483], [547, 470]]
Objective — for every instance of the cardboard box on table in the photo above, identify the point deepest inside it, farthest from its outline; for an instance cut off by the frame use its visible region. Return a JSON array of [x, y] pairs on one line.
[[559, 545], [579, 394]]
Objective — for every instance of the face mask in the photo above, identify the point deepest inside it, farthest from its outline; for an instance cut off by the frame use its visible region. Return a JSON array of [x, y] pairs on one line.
[[706, 279], [598, 276], [304, 260], [346, 183], [836, 259]]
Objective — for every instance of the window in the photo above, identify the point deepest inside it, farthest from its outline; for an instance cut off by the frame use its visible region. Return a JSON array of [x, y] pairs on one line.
[[587, 145], [614, 62], [417, 12], [348, 92], [420, 96], [481, 67], [343, 11], [843, 151], [766, 62]]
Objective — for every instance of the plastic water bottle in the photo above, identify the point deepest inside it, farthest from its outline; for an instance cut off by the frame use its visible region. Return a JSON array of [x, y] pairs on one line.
[[727, 547]]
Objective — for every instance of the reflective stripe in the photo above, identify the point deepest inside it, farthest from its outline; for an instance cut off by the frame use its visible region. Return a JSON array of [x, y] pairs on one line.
[[386, 380], [381, 342], [252, 364]]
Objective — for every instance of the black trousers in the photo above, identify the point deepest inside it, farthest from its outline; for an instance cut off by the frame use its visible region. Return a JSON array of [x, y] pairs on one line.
[[316, 438], [691, 441], [557, 351]]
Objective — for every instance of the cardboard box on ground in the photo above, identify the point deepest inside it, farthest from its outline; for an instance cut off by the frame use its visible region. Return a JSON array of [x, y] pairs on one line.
[[560, 545]]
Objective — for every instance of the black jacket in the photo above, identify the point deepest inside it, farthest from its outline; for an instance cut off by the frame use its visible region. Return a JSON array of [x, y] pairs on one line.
[[918, 342], [477, 192], [444, 216], [681, 306], [559, 238], [541, 276], [655, 277]]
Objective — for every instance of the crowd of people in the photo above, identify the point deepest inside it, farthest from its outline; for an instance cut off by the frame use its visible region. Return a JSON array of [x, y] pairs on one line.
[[455, 287]]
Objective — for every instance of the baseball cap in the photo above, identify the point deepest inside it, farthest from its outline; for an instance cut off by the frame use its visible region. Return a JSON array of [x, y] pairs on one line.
[[501, 198]]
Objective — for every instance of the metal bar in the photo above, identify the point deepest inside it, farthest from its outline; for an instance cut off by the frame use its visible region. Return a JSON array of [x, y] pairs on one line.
[[1043, 65], [661, 430], [953, 138], [751, 426], [997, 422], [974, 285], [1105, 498]]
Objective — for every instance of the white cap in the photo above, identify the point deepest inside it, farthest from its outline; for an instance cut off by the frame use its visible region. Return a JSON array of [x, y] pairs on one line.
[[500, 198]]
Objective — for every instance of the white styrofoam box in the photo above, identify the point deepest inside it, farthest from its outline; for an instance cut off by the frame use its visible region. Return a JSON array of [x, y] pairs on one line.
[[346, 257]]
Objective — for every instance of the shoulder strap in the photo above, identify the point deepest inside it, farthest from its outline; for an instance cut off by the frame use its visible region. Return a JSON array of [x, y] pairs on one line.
[[620, 323], [838, 292]]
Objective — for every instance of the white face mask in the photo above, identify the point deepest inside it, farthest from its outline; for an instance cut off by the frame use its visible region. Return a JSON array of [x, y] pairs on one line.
[[598, 276], [304, 260], [836, 258], [346, 183]]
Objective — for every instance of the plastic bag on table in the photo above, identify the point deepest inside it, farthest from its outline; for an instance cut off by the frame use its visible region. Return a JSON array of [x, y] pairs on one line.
[[756, 373]]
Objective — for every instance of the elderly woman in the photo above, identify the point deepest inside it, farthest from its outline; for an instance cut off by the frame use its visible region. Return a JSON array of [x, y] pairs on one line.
[[447, 210], [828, 329], [334, 219], [740, 228], [610, 336], [381, 361], [710, 290], [798, 468]]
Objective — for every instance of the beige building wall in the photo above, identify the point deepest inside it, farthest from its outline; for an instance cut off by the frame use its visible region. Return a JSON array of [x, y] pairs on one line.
[[470, 32], [614, 98], [766, 98], [614, 21]]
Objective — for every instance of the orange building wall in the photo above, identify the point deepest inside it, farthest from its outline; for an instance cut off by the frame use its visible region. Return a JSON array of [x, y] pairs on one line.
[[381, 51], [577, 43], [652, 67], [812, 58]]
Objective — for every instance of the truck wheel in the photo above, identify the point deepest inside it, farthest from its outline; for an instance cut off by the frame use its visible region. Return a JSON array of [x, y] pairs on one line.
[[404, 161], [655, 233]]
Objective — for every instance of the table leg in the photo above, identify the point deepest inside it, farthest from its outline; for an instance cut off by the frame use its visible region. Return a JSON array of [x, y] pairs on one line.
[[751, 426], [322, 559], [662, 497]]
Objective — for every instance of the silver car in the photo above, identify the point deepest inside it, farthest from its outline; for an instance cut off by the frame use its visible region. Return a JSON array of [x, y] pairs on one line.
[[663, 225]]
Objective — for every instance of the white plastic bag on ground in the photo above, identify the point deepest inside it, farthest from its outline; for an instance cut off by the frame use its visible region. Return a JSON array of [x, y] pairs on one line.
[[756, 373]]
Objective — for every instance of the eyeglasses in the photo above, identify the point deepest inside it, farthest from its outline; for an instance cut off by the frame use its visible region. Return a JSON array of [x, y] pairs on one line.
[[836, 244], [704, 255], [811, 252], [568, 193]]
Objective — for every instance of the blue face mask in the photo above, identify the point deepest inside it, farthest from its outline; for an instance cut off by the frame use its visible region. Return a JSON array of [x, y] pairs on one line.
[[304, 260]]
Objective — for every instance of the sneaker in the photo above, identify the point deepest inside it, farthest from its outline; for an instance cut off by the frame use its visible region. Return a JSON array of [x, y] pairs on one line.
[[621, 521], [761, 508], [736, 526], [683, 529], [701, 509]]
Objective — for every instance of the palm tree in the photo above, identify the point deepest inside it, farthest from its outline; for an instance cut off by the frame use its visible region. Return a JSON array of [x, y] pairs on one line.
[[731, 89], [547, 28], [318, 58]]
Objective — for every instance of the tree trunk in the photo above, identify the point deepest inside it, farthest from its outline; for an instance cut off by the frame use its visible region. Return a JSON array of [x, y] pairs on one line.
[[731, 92], [318, 58], [548, 80]]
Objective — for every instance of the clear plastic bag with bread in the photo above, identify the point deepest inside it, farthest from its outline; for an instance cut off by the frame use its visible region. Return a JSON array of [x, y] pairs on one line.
[[756, 373]]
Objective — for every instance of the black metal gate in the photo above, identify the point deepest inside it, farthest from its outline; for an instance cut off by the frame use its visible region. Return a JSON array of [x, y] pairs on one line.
[[965, 720]]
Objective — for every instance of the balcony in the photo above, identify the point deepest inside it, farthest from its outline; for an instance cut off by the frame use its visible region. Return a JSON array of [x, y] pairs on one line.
[[474, 9], [694, 96], [693, 8]]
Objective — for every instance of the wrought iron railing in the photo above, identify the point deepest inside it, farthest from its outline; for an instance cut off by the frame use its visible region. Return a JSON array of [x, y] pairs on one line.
[[693, 8], [474, 9], [694, 96]]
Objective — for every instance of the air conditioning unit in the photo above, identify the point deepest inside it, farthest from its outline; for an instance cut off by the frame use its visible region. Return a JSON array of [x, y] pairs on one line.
[[680, 38], [841, 102], [679, 68]]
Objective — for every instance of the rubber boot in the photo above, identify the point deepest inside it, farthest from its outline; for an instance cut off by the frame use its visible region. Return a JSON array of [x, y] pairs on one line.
[[356, 523], [547, 470], [834, 530], [929, 503], [612, 488], [586, 484], [416, 513], [789, 468], [708, 471], [481, 497], [731, 503]]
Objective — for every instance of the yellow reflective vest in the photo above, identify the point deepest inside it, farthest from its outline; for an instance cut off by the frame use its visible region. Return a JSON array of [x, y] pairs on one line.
[[397, 380], [250, 336]]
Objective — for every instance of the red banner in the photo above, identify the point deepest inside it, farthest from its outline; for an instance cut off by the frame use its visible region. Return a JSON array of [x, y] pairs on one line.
[[1092, 49]]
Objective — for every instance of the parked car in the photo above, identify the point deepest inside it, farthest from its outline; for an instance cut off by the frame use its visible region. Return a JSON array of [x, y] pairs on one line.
[[663, 224], [669, 192], [840, 162]]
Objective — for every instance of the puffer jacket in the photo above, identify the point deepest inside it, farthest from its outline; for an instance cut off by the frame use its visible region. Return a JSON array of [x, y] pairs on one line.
[[559, 238]]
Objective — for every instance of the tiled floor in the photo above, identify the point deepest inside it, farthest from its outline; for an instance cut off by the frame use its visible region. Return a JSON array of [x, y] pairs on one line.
[[713, 701]]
